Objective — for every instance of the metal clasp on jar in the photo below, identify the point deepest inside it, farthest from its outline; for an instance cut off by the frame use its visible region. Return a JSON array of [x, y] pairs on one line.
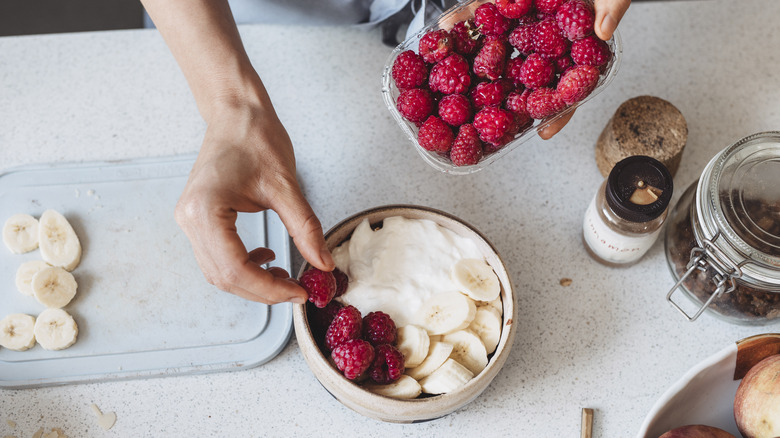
[[726, 273]]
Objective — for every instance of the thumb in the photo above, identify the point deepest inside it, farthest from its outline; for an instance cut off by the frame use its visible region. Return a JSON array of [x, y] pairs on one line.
[[304, 228], [608, 15]]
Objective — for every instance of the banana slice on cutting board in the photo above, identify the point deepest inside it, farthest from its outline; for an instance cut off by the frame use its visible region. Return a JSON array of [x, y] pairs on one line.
[[413, 342], [487, 325], [55, 329], [476, 279], [20, 233], [25, 274], [17, 332], [447, 378], [437, 355], [468, 350], [405, 388], [54, 287], [59, 244], [446, 312]]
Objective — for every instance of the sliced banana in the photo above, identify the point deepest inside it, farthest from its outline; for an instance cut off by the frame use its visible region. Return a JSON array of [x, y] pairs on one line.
[[59, 244], [405, 388], [487, 325], [20, 233], [16, 332], [54, 287], [496, 304], [477, 279], [25, 274], [437, 355], [446, 312], [468, 350], [413, 342], [55, 329], [447, 378]]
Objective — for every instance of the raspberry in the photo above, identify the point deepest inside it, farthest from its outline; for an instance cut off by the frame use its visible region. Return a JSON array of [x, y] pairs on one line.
[[388, 365], [577, 83], [488, 94], [455, 109], [467, 148], [548, 39], [544, 102], [517, 102], [342, 282], [522, 38], [575, 18], [415, 104], [435, 135], [590, 51], [348, 324], [513, 8], [353, 358], [536, 71], [512, 70], [548, 6], [489, 21], [491, 59], [450, 75], [320, 285], [563, 64], [495, 125], [435, 46], [466, 37], [409, 70], [379, 328], [321, 319]]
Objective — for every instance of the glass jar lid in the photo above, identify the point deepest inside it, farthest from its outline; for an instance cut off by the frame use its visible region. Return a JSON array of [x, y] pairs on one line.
[[738, 203]]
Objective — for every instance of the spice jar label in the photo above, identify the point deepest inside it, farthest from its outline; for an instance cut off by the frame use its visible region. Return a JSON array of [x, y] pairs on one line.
[[610, 245]]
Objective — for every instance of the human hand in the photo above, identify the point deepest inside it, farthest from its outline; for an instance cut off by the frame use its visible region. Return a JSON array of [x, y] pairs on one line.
[[246, 164], [608, 15]]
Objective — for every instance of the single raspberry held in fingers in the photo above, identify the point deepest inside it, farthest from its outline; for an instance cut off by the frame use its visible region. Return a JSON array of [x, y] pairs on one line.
[[467, 148], [536, 71], [353, 358], [544, 102], [455, 109], [320, 285], [435, 135], [491, 59], [415, 104], [489, 21], [450, 75], [549, 42], [590, 51], [409, 70], [379, 328], [321, 319], [548, 6], [466, 37], [342, 282], [576, 19], [348, 324], [488, 94], [494, 124], [388, 365], [522, 38], [513, 8], [578, 83], [435, 46]]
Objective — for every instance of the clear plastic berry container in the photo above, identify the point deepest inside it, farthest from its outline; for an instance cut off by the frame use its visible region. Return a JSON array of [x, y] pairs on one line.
[[441, 161]]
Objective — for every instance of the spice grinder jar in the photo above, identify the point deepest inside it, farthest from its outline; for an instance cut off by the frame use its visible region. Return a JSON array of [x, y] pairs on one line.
[[722, 239]]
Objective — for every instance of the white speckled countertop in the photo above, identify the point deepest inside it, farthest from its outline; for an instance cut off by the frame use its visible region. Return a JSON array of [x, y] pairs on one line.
[[609, 341]]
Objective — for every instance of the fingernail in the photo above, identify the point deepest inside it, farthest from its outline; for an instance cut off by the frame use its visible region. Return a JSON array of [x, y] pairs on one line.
[[608, 26], [298, 300]]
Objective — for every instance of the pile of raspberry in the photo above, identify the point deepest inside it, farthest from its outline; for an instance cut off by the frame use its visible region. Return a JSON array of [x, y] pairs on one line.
[[360, 347], [474, 88]]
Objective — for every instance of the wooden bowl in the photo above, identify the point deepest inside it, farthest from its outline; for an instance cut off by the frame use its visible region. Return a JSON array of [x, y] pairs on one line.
[[422, 408]]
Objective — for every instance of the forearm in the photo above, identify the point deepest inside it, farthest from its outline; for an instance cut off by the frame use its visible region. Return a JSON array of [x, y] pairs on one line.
[[204, 40]]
